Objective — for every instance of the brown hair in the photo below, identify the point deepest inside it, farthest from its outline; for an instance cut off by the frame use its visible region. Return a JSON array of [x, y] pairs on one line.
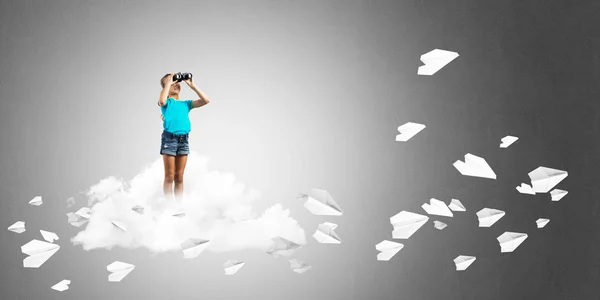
[[162, 80]]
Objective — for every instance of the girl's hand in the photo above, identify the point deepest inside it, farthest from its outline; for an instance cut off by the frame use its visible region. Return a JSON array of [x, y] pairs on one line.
[[190, 82], [162, 117]]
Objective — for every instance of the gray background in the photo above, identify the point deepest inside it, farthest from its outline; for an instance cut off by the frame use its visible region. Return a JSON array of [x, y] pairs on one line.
[[309, 94]]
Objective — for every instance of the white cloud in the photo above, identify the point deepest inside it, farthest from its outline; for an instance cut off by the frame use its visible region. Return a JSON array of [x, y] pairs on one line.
[[217, 208]]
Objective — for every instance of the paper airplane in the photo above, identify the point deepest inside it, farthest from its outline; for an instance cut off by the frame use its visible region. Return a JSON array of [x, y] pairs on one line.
[[76, 220], [462, 262], [557, 194], [119, 270], [49, 236], [474, 166], [509, 241], [439, 225], [434, 60], [322, 204], [179, 214], [408, 130], [232, 266], [388, 249], [406, 224], [282, 247], [456, 205], [525, 189], [138, 209], [62, 286], [120, 225], [18, 227], [488, 216], [508, 140], [84, 212], [299, 266], [544, 179], [541, 222], [37, 201], [193, 247], [39, 252], [437, 207], [325, 234]]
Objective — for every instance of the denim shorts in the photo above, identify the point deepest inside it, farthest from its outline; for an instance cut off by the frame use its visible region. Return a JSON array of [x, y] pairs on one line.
[[174, 144]]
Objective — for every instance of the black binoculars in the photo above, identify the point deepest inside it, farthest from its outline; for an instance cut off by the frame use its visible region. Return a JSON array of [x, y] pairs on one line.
[[180, 77]]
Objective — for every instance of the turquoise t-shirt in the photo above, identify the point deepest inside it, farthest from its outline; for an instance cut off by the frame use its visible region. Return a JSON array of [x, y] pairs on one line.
[[176, 116]]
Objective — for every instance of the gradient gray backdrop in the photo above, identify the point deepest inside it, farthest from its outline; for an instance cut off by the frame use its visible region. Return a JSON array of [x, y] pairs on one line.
[[308, 94]]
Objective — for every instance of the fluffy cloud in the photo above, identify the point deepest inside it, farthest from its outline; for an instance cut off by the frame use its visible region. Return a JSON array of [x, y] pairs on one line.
[[216, 207]]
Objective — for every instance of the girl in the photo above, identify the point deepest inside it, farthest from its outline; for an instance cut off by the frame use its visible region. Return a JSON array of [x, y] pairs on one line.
[[176, 127]]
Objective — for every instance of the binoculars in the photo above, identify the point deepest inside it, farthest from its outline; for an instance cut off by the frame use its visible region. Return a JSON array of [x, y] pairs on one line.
[[182, 76]]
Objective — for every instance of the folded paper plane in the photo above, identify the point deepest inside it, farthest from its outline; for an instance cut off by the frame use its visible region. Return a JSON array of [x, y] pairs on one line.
[[321, 203], [39, 252], [18, 227], [388, 249], [37, 201], [462, 262], [439, 225], [406, 224], [120, 225], [193, 247], [544, 179], [299, 266], [456, 205], [138, 209], [474, 166], [282, 247], [557, 194], [325, 234], [525, 189], [488, 216], [437, 207], [435, 60], [408, 130], [119, 270], [232, 266], [541, 222], [49, 236], [508, 140], [62, 286], [509, 241]]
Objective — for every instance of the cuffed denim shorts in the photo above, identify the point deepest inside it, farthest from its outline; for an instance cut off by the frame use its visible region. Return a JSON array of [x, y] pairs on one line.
[[174, 144]]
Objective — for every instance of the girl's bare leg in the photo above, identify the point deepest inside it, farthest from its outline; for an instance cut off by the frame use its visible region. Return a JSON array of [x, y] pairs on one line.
[[169, 161], [180, 162]]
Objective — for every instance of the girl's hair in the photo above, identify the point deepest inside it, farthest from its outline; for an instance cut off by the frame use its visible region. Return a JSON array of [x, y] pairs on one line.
[[162, 80]]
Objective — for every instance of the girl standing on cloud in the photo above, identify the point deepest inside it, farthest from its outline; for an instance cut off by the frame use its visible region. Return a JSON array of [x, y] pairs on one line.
[[176, 127]]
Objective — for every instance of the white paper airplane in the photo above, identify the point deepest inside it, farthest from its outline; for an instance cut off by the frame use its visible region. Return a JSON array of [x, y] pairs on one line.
[[62, 286], [282, 247], [474, 166], [408, 130], [388, 249], [525, 189], [18, 227], [508, 140], [456, 205], [193, 247], [462, 262], [488, 216], [179, 214], [322, 204], [299, 266], [557, 194], [39, 252], [118, 270], [509, 241], [434, 60], [437, 207], [138, 209], [325, 234], [49, 236], [232, 266], [37, 201], [120, 225], [84, 212], [406, 224], [439, 225], [544, 179], [541, 222], [76, 220]]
